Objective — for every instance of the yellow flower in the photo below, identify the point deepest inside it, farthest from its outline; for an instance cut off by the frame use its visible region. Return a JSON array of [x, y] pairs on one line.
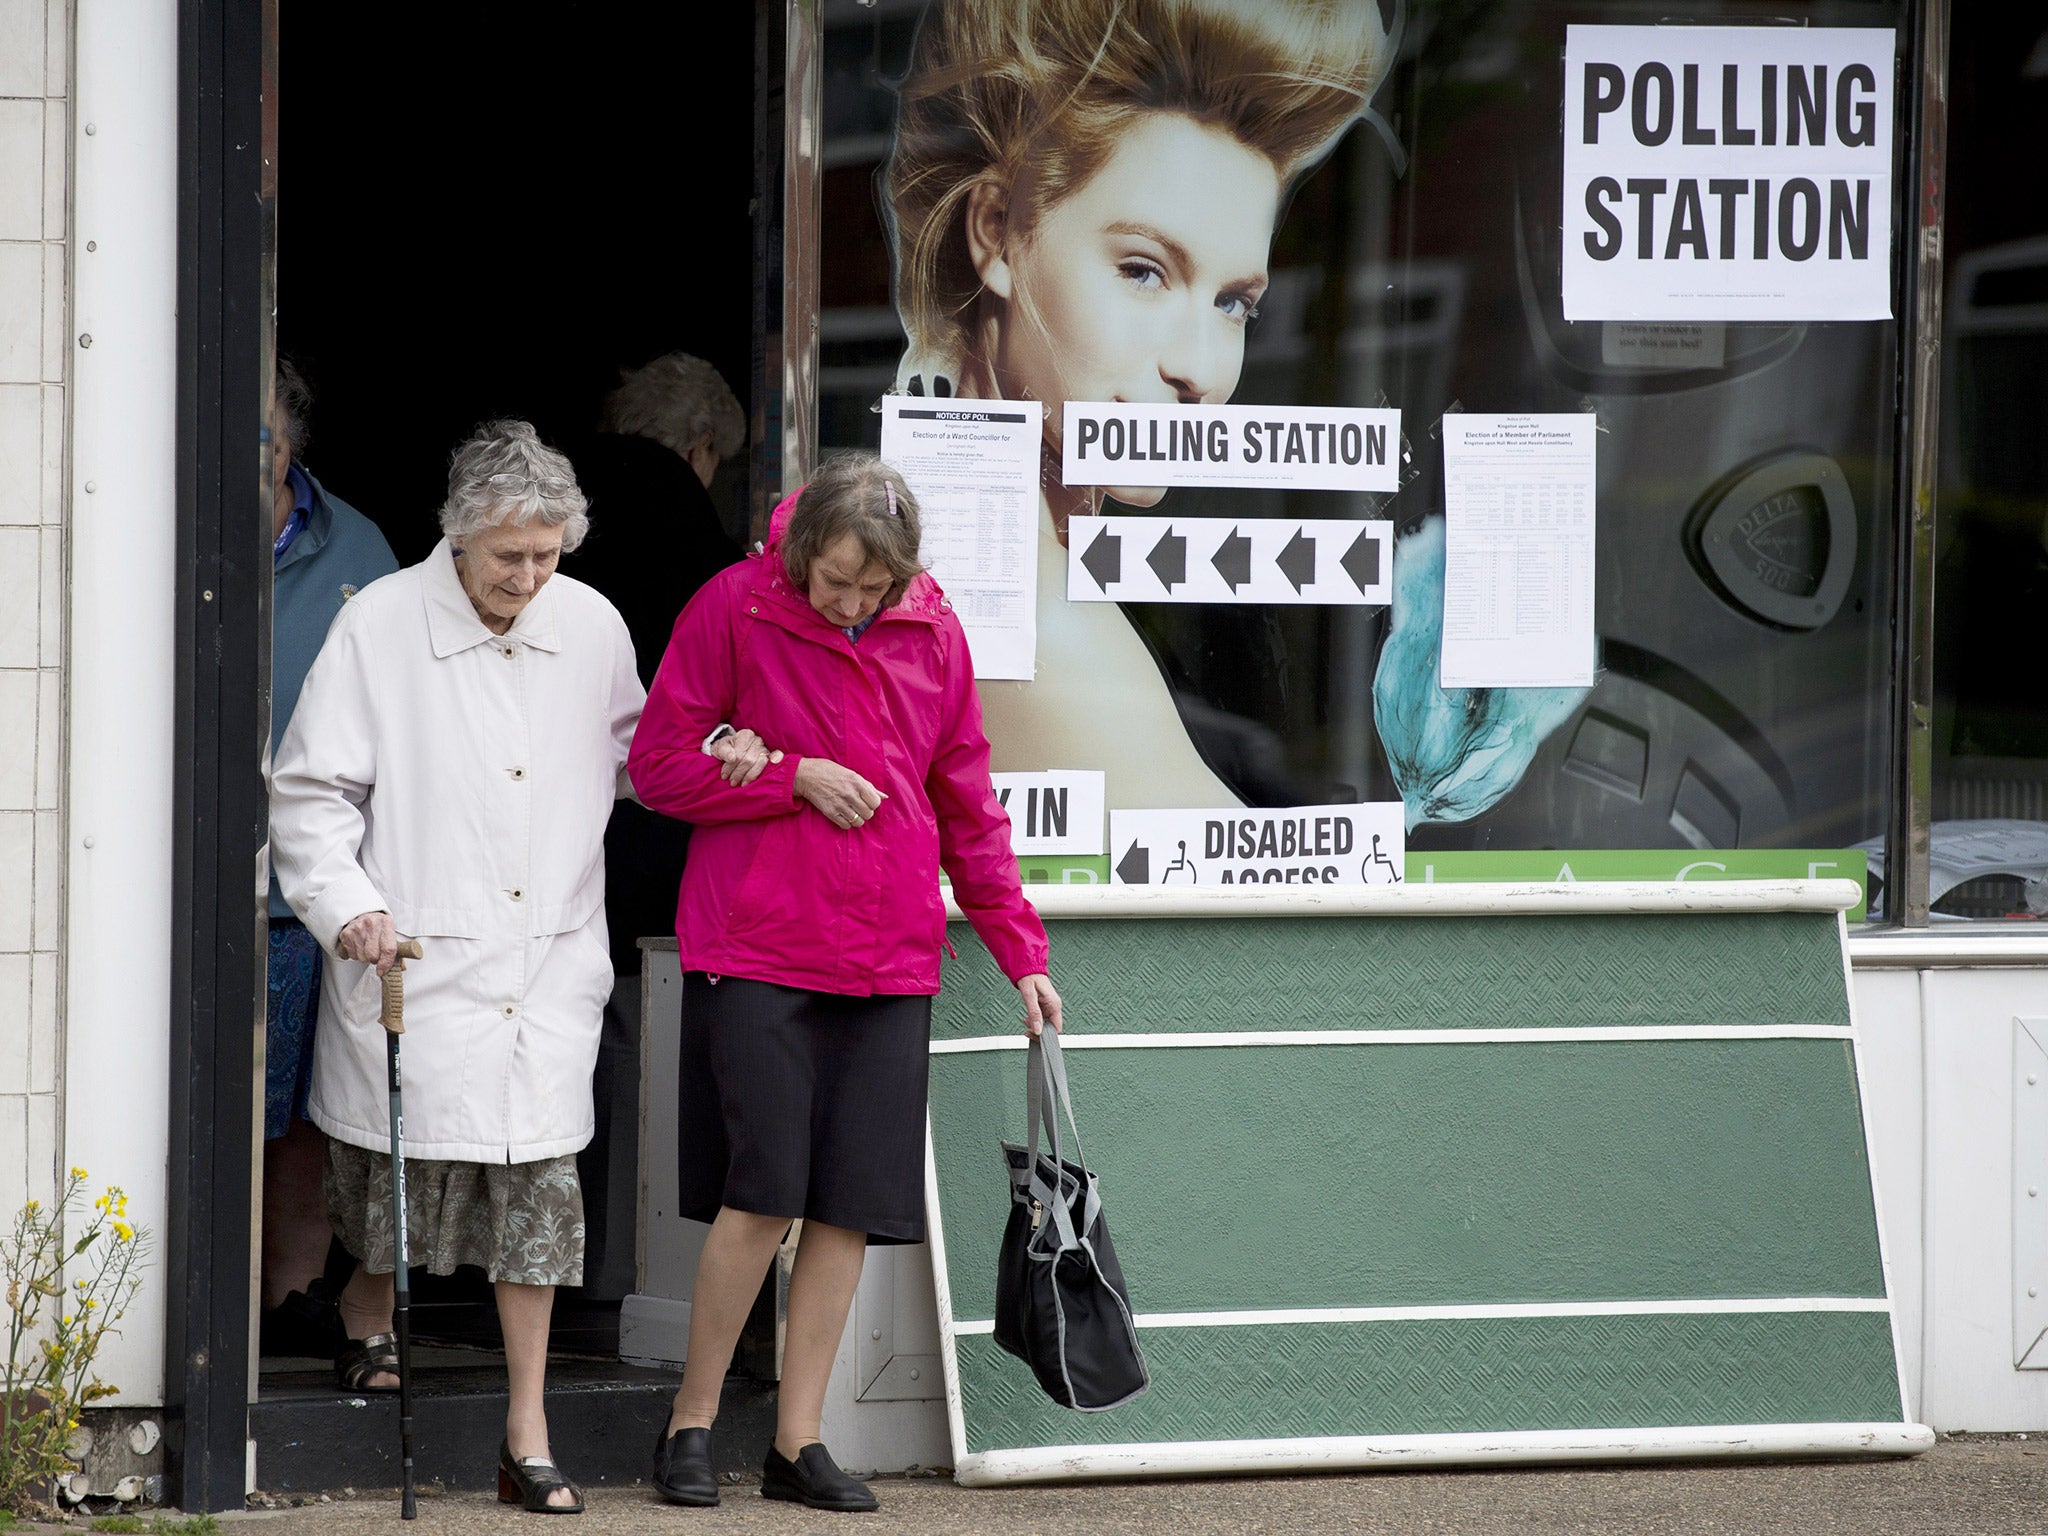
[[34, 1206], [104, 1203], [66, 1320], [78, 1172], [91, 1304], [124, 1232]]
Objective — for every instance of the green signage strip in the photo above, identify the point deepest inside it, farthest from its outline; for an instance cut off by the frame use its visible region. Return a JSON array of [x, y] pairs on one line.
[[1064, 868], [1549, 866]]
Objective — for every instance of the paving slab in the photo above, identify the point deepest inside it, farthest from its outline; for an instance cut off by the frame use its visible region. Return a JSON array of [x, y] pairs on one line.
[[1965, 1486]]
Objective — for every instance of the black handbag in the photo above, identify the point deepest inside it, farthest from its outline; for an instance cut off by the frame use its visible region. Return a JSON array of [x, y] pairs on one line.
[[1061, 1304]]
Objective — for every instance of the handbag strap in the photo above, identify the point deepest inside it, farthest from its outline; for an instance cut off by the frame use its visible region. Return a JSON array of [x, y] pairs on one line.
[[1047, 1098]]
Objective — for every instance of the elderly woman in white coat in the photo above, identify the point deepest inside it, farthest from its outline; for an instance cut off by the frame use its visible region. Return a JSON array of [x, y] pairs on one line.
[[447, 776]]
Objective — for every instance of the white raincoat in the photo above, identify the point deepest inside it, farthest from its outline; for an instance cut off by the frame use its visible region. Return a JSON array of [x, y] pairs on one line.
[[461, 781]]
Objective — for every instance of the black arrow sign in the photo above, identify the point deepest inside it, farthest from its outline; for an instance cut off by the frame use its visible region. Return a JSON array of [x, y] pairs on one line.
[[1297, 561], [1361, 561], [1169, 559], [1233, 560], [1135, 867], [1104, 559]]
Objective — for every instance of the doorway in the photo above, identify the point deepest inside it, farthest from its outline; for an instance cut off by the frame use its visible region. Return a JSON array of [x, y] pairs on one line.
[[479, 217]]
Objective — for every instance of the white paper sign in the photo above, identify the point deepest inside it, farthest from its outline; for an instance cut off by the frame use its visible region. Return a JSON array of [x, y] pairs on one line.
[[1330, 561], [1302, 845], [1638, 344], [1518, 562], [1727, 173], [1293, 447], [1056, 811], [973, 465]]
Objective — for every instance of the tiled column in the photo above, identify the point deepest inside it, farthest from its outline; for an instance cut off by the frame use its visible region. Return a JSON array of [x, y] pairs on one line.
[[34, 195]]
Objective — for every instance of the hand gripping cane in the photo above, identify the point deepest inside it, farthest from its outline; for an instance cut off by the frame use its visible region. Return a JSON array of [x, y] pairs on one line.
[[393, 1019]]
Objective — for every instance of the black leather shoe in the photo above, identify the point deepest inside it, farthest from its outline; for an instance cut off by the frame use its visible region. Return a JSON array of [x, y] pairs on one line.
[[814, 1478], [682, 1468]]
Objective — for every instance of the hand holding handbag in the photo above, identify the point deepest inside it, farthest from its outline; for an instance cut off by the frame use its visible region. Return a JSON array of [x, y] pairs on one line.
[[1061, 1304]]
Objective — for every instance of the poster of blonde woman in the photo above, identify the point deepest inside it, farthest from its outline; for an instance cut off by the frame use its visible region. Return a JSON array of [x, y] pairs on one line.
[[1335, 203]]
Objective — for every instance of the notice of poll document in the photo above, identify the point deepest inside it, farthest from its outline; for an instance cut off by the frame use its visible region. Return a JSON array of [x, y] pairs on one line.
[[973, 466], [1518, 567]]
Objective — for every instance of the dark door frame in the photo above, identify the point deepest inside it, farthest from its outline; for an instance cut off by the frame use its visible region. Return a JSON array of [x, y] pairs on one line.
[[218, 949], [219, 953]]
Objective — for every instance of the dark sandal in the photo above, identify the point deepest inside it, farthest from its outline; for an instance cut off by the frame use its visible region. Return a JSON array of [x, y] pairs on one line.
[[529, 1480], [361, 1359]]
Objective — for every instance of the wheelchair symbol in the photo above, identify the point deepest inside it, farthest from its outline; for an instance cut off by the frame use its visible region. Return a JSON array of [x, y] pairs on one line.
[[1378, 869]]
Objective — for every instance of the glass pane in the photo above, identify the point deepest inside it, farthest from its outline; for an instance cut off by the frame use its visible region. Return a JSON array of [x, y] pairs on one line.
[[1990, 815], [1743, 592]]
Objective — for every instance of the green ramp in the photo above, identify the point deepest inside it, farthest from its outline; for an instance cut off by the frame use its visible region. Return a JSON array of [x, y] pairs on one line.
[[1453, 1173]]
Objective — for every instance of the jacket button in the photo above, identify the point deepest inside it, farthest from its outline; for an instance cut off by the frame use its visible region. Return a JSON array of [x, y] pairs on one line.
[[518, 773], [519, 895], [510, 1010]]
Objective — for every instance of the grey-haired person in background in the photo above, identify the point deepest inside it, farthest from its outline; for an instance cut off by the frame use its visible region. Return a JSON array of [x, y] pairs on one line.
[[658, 536]]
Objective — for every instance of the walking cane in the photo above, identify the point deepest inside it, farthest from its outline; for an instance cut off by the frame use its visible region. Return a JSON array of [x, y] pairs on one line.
[[393, 1019]]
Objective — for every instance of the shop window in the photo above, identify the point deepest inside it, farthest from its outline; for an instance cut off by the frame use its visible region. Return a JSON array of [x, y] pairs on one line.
[[1988, 831], [1744, 593]]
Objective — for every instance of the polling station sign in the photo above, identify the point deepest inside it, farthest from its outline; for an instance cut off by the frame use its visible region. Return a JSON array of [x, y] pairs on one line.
[[1289, 447], [1728, 173], [1301, 845]]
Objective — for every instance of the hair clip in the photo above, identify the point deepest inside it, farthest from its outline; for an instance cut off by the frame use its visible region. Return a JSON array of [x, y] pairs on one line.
[[890, 487]]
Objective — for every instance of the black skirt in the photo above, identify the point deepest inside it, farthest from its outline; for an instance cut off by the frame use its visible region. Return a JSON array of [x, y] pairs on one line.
[[796, 1103]]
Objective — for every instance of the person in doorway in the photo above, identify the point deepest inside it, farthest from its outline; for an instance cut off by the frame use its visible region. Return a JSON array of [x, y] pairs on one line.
[[323, 552], [447, 776], [810, 926], [656, 538], [1082, 199]]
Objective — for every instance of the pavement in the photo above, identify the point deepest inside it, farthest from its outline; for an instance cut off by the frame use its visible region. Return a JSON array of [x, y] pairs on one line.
[[1968, 1485]]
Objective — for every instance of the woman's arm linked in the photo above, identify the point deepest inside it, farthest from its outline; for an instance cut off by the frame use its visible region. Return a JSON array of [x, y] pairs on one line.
[[974, 845], [695, 690]]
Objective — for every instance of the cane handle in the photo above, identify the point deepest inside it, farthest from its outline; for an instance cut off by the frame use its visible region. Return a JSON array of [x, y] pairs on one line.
[[392, 1015]]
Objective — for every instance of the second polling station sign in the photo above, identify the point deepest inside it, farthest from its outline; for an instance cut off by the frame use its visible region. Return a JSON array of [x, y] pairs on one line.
[[1728, 173]]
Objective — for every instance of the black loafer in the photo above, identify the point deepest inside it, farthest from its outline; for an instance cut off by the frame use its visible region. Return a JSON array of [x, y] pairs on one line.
[[814, 1478], [682, 1468]]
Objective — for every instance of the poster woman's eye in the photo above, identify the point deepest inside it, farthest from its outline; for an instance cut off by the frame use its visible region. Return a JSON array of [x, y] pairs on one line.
[[1142, 273], [1241, 307]]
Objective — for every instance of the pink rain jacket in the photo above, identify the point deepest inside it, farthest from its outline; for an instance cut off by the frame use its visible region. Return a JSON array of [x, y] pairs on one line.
[[773, 891]]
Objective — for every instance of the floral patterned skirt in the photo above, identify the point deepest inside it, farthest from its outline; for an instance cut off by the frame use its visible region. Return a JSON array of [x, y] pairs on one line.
[[521, 1222]]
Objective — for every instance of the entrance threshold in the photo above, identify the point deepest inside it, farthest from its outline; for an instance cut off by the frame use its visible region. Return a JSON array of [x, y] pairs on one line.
[[603, 1417]]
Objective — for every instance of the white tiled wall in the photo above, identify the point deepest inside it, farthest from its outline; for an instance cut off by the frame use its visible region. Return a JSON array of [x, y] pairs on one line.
[[34, 194]]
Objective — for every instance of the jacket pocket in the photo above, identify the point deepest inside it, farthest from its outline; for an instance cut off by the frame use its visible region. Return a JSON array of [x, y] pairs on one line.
[[415, 920], [765, 885]]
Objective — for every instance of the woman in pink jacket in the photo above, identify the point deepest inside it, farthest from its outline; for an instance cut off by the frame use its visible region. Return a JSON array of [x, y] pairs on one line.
[[811, 922]]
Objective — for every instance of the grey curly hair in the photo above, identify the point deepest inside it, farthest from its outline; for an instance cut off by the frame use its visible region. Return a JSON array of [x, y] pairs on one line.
[[505, 474], [675, 400]]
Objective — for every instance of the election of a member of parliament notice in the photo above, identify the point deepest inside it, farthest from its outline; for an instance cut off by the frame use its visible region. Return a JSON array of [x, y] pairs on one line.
[[1518, 567], [973, 465]]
